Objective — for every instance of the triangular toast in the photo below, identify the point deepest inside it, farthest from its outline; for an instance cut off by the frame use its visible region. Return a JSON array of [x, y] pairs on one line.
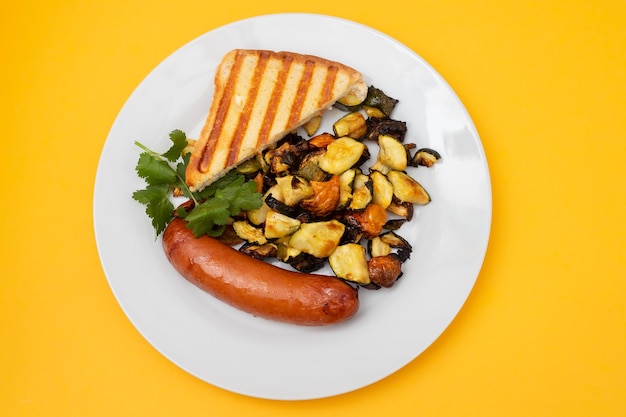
[[260, 96]]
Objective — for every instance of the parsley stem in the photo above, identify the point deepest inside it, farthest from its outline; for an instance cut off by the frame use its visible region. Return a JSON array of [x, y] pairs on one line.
[[160, 157]]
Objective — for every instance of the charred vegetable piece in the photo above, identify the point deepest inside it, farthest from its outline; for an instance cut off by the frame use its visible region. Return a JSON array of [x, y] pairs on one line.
[[295, 212], [399, 243], [362, 192], [267, 250], [380, 167], [401, 208], [382, 188], [251, 166], [257, 216], [249, 233], [325, 198], [378, 99], [349, 262], [318, 238], [425, 157], [394, 224], [369, 221], [345, 188], [306, 263], [377, 247], [309, 167], [284, 252], [294, 189], [288, 155], [407, 189], [321, 141], [278, 225], [392, 153], [352, 125], [384, 270], [377, 126], [352, 234], [355, 97], [341, 155]]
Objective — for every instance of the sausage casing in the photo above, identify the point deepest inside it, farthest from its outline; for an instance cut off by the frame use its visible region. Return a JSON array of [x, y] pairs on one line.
[[255, 286]]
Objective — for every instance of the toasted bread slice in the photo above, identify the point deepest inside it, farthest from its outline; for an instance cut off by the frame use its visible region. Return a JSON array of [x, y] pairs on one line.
[[260, 96]]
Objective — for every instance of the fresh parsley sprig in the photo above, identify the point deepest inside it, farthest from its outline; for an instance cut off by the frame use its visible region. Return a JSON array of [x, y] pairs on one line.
[[212, 206]]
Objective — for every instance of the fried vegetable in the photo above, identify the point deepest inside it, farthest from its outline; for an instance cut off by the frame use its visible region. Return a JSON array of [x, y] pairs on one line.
[[407, 189], [377, 126], [293, 189], [325, 198], [257, 216], [321, 141], [306, 263], [295, 212], [341, 155], [394, 224], [399, 243], [349, 262], [355, 97], [318, 238], [425, 157], [373, 112], [377, 247], [362, 192], [384, 270], [401, 208], [309, 167], [278, 225], [288, 155], [369, 221], [345, 188], [392, 153], [352, 125], [378, 99], [249, 233], [312, 125], [382, 189], [267, 250]]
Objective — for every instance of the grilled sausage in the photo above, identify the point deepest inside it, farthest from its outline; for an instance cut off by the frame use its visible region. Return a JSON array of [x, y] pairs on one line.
[[255, 286]]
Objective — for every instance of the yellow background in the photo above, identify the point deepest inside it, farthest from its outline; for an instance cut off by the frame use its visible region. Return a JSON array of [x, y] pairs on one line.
[[542, 334]]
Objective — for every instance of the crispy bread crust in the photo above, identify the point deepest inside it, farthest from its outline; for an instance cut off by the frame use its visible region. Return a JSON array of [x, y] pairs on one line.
[[259, 97]]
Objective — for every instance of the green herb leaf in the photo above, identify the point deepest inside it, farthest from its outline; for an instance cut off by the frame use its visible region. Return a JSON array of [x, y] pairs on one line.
[[241, 195], [154, 170], [179, 139], [158, 206], [204, 217], [212, 206]]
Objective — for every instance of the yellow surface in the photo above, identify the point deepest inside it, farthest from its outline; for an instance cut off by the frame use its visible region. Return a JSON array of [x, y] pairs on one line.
[[542, 334]]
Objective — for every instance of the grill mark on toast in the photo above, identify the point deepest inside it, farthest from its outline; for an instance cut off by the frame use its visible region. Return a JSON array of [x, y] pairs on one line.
[[207, 152], [244, 120], [303, 86], [277, 91], [329, 84]]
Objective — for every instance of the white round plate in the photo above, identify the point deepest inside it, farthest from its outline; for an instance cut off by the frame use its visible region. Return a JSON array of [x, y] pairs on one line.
[[252, 356]]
